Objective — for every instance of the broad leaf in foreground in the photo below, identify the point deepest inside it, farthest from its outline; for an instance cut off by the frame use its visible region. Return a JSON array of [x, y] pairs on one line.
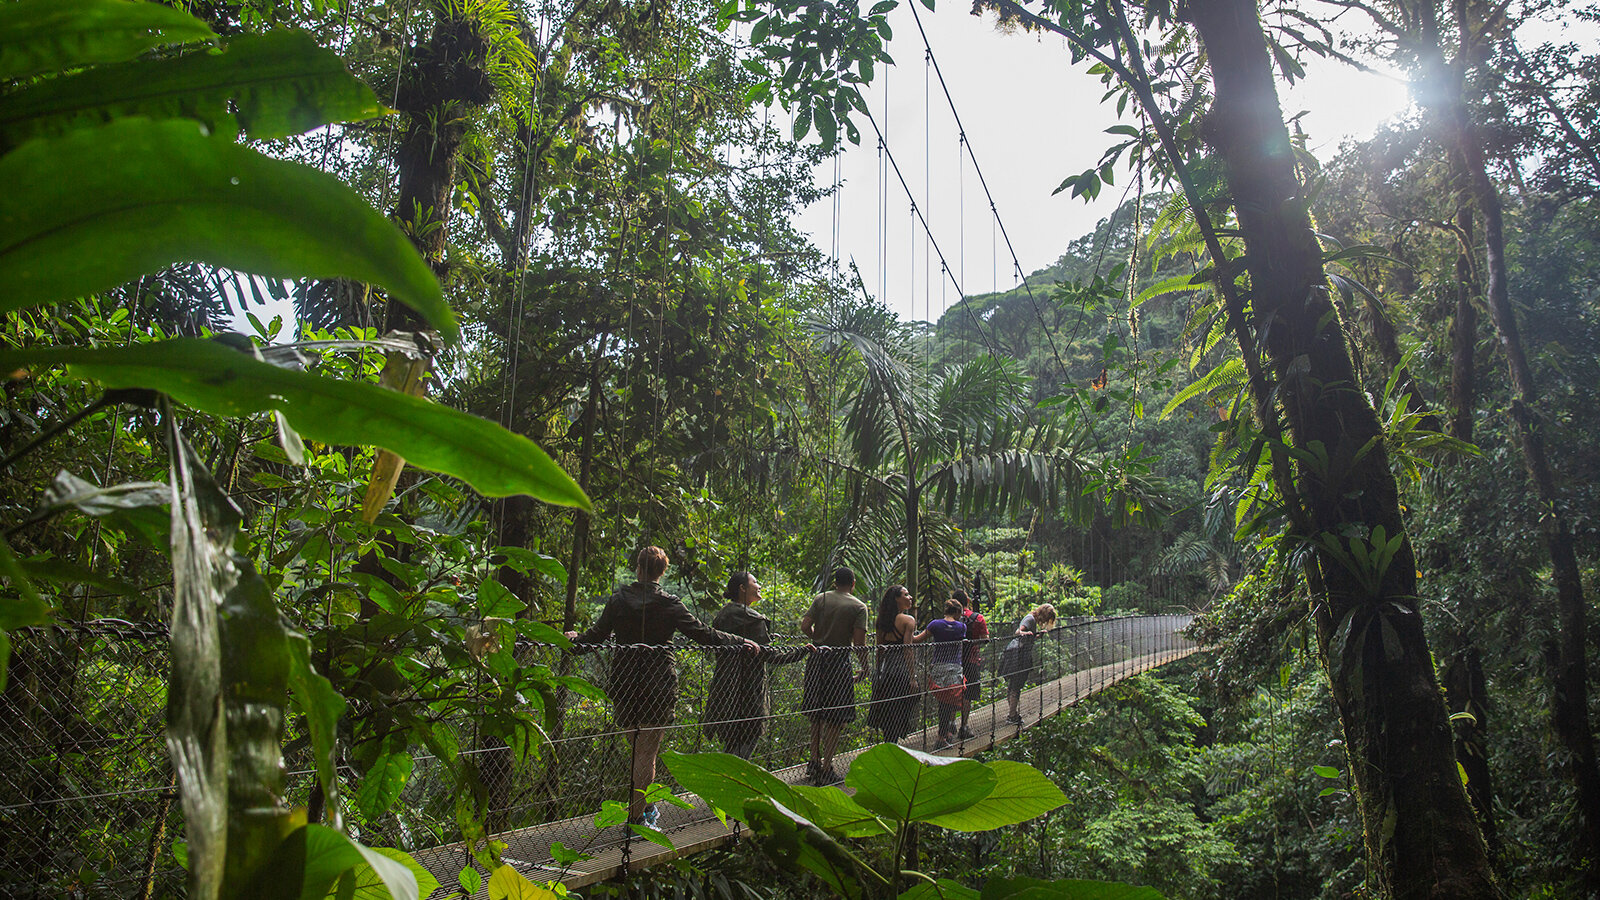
[[203, 525], [913, 786], [21, 611], [273, 85], [943, 889], [506, 883], [217, 379], [323, 706], [1020, 793], [50, 35], [728, 782], [329, 854], [100, 206]]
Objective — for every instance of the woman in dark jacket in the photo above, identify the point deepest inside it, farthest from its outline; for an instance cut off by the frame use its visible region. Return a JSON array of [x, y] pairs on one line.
[[737, 702], [643, 682]]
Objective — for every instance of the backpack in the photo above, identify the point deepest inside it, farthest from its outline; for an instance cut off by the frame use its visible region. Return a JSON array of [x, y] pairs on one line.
[[977, 636]]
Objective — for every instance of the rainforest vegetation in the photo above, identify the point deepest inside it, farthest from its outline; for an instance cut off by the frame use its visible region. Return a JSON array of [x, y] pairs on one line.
[[353, 346]]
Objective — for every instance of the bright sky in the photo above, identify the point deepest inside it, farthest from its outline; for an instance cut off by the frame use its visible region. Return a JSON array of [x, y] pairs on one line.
[[1032, 120]]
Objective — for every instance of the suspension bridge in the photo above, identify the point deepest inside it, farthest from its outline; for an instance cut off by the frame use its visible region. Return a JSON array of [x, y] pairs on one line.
[[1072, 662], [90, 804]]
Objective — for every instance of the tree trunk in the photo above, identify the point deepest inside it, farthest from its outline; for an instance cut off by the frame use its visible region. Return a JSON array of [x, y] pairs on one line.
[[581, 520], [1570, 687], [1570, 694], [1463, 337], [1421, 838], [446, 77], [1468, 692], [913, 533]]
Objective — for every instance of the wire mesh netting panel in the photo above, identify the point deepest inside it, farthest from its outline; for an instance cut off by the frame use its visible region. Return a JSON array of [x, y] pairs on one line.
[[86, 800], [88, 807]]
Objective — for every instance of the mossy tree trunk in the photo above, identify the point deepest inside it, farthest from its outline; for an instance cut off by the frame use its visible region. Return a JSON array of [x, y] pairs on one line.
[[1421, 837]]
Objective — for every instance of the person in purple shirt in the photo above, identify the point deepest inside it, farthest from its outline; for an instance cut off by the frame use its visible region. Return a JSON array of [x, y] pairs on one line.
[[945, 679]]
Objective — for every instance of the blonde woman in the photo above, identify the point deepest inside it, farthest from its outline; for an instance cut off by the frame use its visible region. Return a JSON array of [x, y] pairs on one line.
[[1016, 661]]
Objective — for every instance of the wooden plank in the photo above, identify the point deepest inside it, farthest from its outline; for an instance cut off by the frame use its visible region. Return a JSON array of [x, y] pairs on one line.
[[616, 849]]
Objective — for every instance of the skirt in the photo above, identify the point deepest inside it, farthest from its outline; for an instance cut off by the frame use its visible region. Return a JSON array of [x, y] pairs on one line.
[[828, 693], [894, 698]]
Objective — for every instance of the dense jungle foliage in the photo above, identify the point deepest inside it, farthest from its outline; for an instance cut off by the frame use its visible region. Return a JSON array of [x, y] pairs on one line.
[[354, 344]]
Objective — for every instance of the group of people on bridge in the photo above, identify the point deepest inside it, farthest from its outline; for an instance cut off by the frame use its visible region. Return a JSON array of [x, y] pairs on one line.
[[642, 618]]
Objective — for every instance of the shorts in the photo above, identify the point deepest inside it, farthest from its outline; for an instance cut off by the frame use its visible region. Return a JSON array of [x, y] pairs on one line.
[[643, 688], [946, 684], [828, 693]]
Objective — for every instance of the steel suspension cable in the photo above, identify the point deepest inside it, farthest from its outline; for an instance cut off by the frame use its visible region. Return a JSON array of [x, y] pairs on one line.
[[1016, 263], [917, 214]]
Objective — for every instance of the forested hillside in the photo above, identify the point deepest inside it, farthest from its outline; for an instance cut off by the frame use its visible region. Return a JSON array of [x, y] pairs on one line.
[[288, 598]]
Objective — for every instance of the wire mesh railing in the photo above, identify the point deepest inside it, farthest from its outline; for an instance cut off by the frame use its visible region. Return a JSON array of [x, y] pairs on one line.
[[86, 795], [88, 804]]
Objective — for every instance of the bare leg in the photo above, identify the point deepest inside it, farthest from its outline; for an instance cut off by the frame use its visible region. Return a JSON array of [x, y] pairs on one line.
[[742, 747], [1012, 698], [830, 743], [646, 744], [816, 743]]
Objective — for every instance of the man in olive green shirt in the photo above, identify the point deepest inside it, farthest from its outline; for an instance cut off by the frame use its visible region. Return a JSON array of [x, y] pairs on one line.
[[836, 622]]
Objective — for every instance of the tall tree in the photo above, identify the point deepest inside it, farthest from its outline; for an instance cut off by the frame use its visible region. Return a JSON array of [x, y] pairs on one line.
[[1422, 839], [1447, 62]]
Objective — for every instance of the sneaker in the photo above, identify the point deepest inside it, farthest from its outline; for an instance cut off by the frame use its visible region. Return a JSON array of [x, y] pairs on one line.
[[827, 776], [813, 772], [651, 817], [965, 733], [1014, 718]]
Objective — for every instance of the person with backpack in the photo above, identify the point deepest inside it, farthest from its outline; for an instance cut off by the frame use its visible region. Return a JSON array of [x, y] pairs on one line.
[[945, 679], [1016, 661], [971, 657]]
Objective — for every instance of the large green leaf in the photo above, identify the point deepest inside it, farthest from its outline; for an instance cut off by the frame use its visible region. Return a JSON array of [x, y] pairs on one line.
[[99, 206], [210, 376], [833, 810], [384, 781], [727, 782], [255, 679], [1020, 793], [51, 570], [913, 786], [365, 883], [50, 35], [273, 85], [329, 854], [793, 841], [204, 523], [506, 883], [944, 889], [1064, 889], [69, 490]]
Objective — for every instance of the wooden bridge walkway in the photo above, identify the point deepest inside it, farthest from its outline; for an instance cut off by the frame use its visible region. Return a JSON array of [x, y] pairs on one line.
[[616, 850]]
